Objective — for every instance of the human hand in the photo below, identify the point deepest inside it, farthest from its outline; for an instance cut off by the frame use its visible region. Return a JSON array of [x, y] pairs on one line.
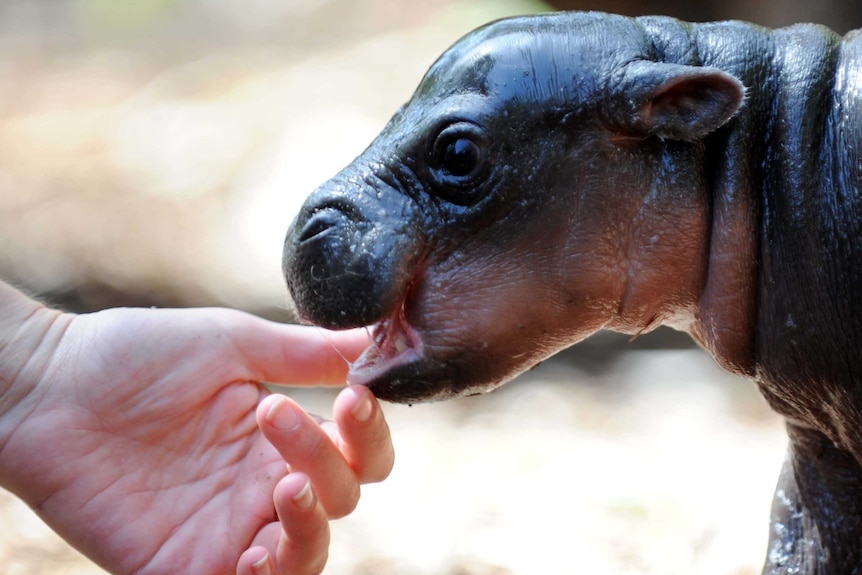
[[138, 441]]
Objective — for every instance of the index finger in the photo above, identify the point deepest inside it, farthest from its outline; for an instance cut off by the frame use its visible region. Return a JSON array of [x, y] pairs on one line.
[[363, 435]]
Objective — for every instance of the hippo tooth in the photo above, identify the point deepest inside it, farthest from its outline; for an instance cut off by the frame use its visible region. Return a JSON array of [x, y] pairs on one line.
[[401, 343]]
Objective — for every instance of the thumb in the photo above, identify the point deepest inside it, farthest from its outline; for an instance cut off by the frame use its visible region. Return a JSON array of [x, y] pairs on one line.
[[297, 355]]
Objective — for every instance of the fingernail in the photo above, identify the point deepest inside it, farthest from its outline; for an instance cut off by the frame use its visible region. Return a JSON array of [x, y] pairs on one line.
[[282, 415], [362, 410], [262, 566], [305, 498]]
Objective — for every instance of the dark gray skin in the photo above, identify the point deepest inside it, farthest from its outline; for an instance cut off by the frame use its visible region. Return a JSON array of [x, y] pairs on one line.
[[560, 174]]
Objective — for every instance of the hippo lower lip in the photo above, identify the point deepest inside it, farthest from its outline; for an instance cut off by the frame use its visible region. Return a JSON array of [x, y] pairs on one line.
[[393, 343]]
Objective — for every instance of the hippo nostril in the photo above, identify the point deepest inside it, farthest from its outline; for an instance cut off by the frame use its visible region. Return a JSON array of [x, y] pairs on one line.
[[320, 223]]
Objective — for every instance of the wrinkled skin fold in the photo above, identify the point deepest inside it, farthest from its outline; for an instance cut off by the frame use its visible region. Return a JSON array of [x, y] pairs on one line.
[[560, 174]]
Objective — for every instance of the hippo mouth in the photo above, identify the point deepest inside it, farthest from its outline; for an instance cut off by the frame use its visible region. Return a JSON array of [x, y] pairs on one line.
[[393, 344], [400, 366]]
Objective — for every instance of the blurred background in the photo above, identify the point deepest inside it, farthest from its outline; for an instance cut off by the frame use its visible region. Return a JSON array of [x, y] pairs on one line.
[[153, 152]]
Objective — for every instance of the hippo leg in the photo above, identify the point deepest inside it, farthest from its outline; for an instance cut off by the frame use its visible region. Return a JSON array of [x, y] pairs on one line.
[[816, 521]]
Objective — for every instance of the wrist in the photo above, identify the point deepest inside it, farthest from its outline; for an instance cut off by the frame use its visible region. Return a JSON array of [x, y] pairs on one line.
[[29, 335]]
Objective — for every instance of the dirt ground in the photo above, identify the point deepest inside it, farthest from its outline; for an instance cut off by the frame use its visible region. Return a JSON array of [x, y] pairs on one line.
[[153, 153]]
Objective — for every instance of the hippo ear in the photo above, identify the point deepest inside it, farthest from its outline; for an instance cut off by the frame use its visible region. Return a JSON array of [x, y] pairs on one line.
[[677, 102]]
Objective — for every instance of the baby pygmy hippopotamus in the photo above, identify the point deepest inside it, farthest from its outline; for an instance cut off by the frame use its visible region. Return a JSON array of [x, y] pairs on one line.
[[560, 174]]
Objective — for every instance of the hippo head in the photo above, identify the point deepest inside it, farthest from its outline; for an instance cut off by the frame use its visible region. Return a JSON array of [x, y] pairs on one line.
[[496, 218]]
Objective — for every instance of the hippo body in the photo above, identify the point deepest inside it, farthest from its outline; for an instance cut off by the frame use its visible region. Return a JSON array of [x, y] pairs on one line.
[[559, 174]]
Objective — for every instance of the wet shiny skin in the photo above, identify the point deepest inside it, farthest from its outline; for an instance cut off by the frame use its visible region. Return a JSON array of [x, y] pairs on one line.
[[560, 174]]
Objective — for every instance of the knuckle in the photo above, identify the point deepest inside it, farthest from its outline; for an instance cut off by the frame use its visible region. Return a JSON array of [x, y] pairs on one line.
[[345, 504]]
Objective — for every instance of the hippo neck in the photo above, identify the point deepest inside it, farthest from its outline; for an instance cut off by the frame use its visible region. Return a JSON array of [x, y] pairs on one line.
[[785, 176], [788, 171], [766, 158]]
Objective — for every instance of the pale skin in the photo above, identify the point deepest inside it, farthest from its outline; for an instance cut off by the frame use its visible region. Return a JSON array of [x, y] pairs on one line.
[[145, 438]]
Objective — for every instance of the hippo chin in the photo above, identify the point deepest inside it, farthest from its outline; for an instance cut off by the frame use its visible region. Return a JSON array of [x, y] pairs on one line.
[[560, 174]]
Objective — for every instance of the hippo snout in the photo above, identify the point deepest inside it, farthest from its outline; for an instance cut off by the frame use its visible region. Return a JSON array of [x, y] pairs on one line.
[[344, 264], [323, 244]]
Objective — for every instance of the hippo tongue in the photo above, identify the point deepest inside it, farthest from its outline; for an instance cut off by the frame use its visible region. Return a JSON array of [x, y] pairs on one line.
[[393, 343]]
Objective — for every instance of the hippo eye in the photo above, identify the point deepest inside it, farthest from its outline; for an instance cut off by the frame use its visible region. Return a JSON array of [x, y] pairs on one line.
[[459, 156]]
